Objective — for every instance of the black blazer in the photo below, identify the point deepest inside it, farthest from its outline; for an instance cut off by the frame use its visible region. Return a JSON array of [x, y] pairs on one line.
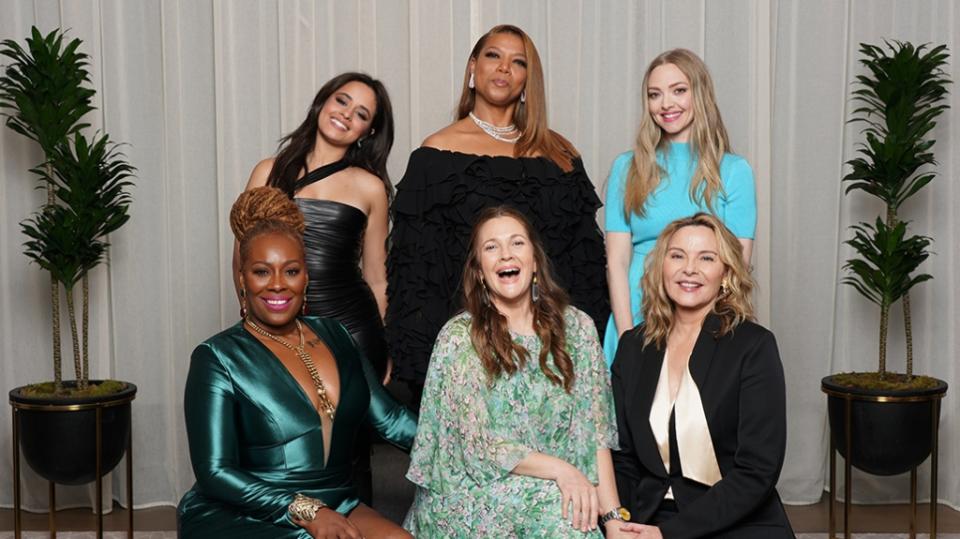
[[741, 385]]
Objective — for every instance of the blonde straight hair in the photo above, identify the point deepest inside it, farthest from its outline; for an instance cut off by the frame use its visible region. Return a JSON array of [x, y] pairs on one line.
[[734, 304], [708, 140], [530, 117]]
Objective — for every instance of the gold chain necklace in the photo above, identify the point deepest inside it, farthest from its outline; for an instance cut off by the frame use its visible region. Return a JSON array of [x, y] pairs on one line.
[[325, 404]]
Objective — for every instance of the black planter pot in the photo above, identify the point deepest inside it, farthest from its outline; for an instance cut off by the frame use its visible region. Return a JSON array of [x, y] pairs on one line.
[[58, 436], [891, 432]]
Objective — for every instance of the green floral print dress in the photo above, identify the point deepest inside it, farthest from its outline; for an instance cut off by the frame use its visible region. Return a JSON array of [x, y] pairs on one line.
[[471, 435]]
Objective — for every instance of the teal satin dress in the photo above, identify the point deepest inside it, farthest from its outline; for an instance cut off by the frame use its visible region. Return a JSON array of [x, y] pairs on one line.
[[256, 440]]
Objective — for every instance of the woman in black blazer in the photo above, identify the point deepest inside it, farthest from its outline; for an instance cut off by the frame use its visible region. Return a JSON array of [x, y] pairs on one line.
[[700, 396]]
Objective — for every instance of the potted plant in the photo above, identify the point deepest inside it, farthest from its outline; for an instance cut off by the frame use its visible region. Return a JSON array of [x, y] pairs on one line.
[[893, 415], [43, 96]]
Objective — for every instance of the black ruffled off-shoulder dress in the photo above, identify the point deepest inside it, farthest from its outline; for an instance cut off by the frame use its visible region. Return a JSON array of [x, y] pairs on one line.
[[433, 213]]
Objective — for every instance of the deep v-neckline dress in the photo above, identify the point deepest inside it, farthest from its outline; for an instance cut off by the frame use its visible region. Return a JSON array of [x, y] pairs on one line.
[[256, 439]]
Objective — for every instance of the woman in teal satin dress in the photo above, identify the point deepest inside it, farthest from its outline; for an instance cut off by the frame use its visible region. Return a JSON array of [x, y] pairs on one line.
[[273, 404]]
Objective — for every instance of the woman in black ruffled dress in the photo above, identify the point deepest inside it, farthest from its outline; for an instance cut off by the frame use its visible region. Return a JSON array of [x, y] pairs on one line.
[[499, 151], [334, 166]]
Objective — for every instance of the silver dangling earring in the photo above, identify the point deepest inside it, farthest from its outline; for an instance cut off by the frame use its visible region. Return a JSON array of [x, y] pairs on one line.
[[523, 96], [486, 293], [535, 290], [470, 83], [359, 143]]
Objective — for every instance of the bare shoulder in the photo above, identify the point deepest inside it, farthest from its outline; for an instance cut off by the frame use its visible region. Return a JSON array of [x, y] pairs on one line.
[[260, 173], [367, 183], [448, 138]]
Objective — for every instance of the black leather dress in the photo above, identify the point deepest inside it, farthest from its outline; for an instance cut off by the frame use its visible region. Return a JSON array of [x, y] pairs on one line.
[[334, 241]]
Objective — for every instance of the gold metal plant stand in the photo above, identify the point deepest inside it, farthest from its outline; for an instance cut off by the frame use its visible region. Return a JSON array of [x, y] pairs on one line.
[[848, 398], [52, 495]]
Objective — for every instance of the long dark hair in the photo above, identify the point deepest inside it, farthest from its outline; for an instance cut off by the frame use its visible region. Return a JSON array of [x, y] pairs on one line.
[[371, 155], [529, 117], [489, 333]]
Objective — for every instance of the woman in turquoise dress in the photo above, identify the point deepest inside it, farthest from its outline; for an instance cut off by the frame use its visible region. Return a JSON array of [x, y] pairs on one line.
[[517, 411], [274, 403], [681, 165]]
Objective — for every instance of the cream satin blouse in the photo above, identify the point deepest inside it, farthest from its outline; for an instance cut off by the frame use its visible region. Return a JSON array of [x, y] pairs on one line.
[[698, 461]]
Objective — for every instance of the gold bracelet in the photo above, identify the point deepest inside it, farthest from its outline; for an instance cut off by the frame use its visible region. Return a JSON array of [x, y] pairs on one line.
[[304, 507]]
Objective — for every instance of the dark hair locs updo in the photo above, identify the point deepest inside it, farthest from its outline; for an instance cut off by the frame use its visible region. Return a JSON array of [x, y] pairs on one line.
[[371, 155], [264, 210]]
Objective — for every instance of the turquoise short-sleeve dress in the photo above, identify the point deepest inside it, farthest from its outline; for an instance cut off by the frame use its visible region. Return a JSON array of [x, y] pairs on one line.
[[736, 207]]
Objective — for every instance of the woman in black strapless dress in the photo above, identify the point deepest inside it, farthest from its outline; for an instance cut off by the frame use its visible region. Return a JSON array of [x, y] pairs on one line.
[[334, 166]]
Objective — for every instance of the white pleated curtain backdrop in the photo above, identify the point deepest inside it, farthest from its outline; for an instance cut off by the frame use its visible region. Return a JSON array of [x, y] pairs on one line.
[[201, 90]]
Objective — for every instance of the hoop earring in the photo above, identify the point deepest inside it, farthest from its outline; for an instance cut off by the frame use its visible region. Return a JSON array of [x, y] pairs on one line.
[[523, 96], [534, 289], [470, 83], [359, 143]]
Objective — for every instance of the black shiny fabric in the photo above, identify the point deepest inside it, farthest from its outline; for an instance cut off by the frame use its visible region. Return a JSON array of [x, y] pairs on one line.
[[334, 240], [438, 199]]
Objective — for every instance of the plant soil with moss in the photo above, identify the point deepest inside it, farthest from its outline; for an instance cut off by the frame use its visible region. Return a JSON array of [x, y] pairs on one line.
[[94, 389], [888, 381]]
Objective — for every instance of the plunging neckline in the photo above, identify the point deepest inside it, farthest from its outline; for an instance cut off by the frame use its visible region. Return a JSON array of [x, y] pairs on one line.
[[292, 380]]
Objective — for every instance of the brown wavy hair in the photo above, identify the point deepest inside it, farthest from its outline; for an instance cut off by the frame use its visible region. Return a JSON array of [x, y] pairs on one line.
[[489, 332], [531, 117], [264, 210], [708, 138], [371, 155], [733, 306]]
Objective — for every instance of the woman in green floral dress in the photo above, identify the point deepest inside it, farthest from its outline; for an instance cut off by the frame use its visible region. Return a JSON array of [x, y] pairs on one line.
[[517, 420]]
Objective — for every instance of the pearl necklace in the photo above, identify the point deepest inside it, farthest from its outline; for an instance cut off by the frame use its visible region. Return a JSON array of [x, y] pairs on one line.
[[326, 405], [495, 131]]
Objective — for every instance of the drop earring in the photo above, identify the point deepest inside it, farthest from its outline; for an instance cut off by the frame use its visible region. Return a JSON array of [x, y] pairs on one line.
[[523, 96], [243, 304], [470, 83], [303, 308], [534, 289]]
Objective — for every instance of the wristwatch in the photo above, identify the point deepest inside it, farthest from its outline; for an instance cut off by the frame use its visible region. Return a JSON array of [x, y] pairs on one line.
[[619, 513], [304, 507]]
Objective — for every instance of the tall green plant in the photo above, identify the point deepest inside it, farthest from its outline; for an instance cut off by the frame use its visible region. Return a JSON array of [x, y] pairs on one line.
[[899, 101], [43, 97]]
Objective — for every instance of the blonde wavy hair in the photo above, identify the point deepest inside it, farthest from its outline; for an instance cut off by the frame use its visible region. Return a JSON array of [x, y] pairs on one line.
[[734, 304], [708, 138], [530, 117]]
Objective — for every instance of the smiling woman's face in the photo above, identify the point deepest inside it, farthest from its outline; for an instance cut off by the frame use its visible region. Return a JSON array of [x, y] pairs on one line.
[[692, 269], [670, 101], [274, 279], [347, 114], [506, 260]]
